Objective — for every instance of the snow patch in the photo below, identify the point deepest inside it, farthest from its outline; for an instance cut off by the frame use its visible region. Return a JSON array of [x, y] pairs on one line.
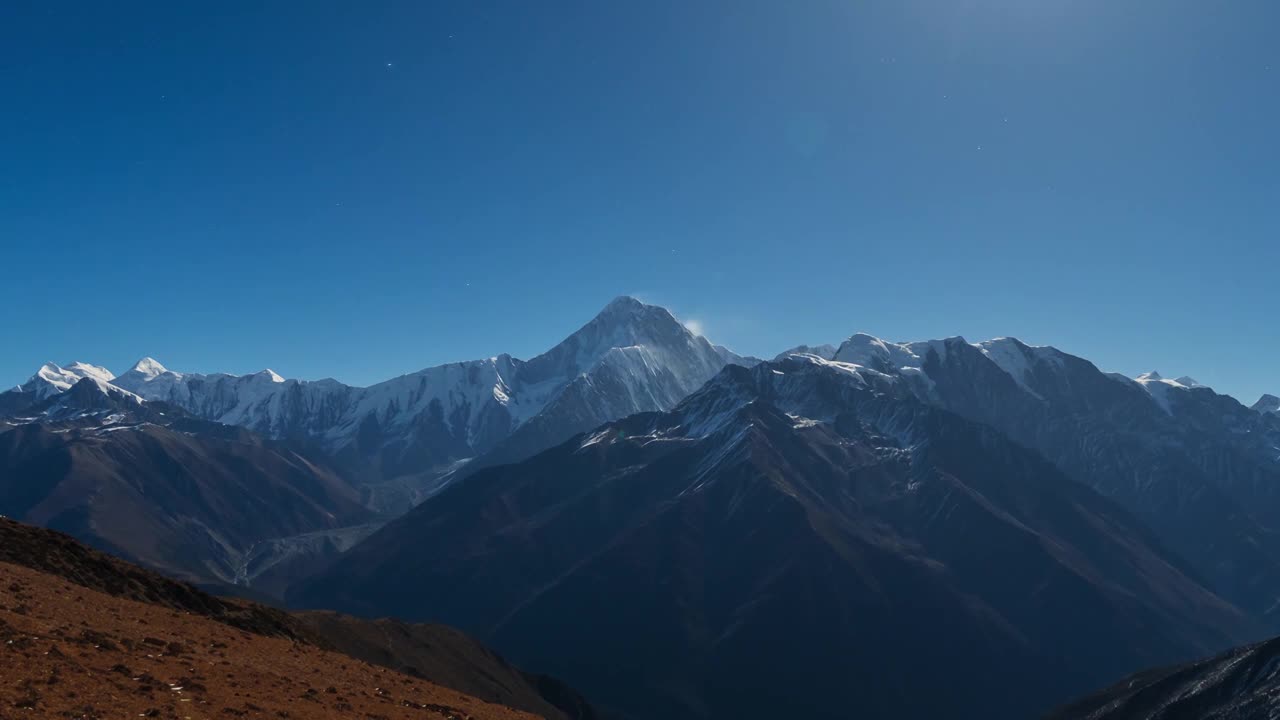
[[824, 351], [1017, 359], [52, 379], [1159, 388], [148, 367]]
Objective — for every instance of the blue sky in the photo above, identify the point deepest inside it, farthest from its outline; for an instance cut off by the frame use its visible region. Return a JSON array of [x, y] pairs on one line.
[[359, 190]]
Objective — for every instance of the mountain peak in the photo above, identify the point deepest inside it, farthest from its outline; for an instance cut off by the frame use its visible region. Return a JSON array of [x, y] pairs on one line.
[[88, 395], [53, 378], [871, 352], [1268, 404], [94, 371], [628, 344], [624, 322], [1184, 382], [149, 366], [864, 342], [624, 302], [90, 384], [826, 351], [626, 311]]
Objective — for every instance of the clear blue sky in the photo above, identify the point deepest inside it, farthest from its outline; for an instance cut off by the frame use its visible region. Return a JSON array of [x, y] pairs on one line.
[[361, 189]]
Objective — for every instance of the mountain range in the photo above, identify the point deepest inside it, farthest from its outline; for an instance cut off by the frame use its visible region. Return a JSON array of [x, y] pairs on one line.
[[806, 528], [403, 433], [255, 480], [896, 527], [149, 483]]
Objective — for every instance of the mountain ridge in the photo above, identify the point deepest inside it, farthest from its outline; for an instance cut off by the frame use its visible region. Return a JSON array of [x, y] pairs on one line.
[[631, 357], [1197, 466], [150, 483], [722, 529]]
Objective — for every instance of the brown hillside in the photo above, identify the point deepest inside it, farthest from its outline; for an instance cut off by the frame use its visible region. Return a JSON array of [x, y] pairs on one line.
[[435, 653], [70, 652]]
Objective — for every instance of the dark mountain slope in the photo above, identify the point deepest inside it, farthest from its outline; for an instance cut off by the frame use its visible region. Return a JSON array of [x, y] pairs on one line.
[[1199, 468], [447, 657], [1241, 684], [143, 481], [793, 540]]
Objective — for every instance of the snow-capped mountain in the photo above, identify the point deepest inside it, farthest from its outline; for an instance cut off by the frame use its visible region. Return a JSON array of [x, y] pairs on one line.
[[1200, 468], [148, 377], [146, 480], [48, 394], [52, 379], [87, 398], [813, 517], [630, 358], [1160, 387]]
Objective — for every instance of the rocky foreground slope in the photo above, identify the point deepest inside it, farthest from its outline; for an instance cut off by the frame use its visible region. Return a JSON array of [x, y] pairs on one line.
[[83, 634]]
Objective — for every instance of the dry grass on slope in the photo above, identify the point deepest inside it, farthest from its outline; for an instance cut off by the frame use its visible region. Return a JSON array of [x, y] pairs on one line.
[[70, 652]]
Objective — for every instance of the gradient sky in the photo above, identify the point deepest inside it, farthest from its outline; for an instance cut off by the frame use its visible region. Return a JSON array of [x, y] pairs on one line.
[[362, 189]]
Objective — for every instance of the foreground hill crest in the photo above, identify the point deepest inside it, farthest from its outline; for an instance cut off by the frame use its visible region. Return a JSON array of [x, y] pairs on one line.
[[84, 634]]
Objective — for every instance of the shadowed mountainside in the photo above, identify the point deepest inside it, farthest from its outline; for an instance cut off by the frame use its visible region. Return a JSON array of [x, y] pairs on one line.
[[803, 529], [1241, 684]]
